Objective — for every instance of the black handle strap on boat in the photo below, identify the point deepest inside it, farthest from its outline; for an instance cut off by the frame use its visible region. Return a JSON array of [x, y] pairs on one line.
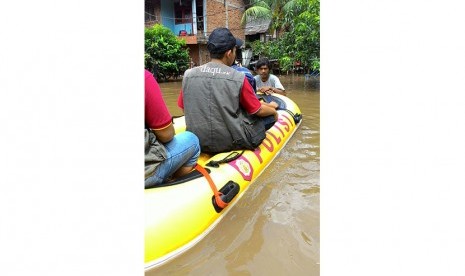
[[269, 98], [297, 117], [231, 157]]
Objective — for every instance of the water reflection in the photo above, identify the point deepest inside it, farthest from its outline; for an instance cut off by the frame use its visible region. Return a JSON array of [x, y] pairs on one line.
[[274, 228]]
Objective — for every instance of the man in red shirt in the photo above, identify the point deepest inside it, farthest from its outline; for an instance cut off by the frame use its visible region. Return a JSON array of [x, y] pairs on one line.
[[166, 154]]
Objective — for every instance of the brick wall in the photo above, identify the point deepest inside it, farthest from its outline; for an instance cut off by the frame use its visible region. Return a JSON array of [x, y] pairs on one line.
[[216, 12], [153, 7], [204, 55], [157, 9], [194, 53], [199, 54]]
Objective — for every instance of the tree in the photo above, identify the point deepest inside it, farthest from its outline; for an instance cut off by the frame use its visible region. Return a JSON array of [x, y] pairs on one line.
[[303, 38], [300, 19], [267, 9], [165, 55], [258, 9]]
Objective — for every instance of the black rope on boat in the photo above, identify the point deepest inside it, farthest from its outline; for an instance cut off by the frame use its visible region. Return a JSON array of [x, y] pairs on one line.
[[231, 157]]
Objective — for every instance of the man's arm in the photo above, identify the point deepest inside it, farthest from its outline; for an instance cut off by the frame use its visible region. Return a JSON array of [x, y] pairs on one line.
[[180, 100], [279, 91], [278, 87], [164, 135], [269, 90], [266, 110], [157, 115]]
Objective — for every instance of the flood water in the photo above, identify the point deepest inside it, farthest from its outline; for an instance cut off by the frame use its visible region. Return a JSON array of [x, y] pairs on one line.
[[275, 227]]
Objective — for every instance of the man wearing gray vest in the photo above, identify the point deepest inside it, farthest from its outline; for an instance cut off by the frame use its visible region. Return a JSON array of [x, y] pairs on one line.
[[219, 103]]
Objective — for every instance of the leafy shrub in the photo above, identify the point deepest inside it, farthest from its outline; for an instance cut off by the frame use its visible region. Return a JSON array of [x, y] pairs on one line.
[[165, 55]]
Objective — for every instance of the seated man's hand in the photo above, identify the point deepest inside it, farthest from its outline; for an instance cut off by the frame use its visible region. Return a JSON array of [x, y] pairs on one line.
[[266, 89]]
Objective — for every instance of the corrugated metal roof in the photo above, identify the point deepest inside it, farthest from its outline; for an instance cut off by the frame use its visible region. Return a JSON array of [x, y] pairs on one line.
[[256, 26]]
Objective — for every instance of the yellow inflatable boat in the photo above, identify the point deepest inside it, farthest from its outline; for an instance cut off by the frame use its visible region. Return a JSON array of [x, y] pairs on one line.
[[180, 214]]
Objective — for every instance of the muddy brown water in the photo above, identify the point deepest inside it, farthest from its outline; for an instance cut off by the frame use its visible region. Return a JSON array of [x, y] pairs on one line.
[[275, 227]]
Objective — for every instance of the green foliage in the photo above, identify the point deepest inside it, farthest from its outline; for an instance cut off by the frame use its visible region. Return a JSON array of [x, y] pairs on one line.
[[165, 53], [261, 49], [259, 9], [285, 63], [301, 40]]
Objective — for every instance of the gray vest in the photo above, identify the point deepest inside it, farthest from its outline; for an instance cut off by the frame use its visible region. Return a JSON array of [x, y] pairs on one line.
[[211, 106]]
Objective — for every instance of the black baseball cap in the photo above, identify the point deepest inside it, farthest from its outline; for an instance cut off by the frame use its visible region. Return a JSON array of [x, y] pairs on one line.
[[222, 40]]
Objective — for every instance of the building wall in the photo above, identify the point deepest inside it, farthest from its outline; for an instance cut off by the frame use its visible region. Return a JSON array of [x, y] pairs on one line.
[[194, 53], [199, 54], [204, 55], [217, 16], [215, 11], [152, 7], [167, 13]]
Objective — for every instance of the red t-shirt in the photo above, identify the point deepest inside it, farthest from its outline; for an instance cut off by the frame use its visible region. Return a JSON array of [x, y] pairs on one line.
[[157, 115], [247, 99]]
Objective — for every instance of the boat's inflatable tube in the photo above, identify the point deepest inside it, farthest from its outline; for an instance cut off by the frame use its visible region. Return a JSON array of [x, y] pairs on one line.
[[178, 216]]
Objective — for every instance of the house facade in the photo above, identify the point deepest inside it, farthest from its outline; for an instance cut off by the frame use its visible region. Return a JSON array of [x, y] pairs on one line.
[[194, 20]]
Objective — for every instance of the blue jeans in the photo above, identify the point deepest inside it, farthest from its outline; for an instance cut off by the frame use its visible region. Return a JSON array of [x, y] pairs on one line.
[[268, 121], [182, 151]]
